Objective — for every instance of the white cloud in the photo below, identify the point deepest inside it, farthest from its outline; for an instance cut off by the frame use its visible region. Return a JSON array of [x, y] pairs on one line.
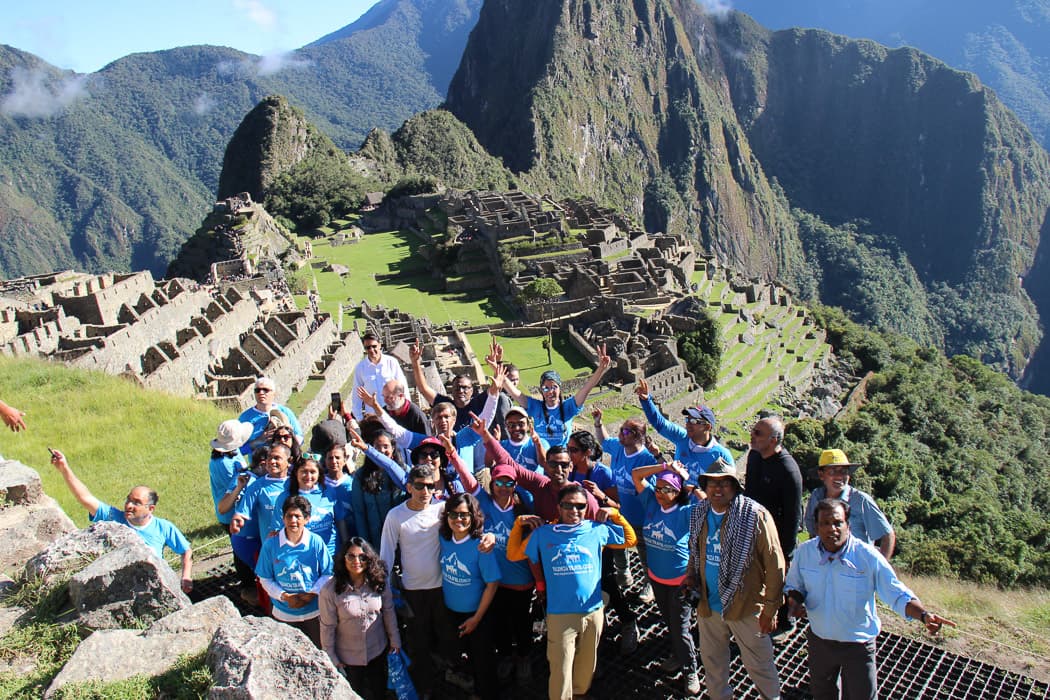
[[203, 104], [271, 63], [718, 8], [257, 12], [32, 94]]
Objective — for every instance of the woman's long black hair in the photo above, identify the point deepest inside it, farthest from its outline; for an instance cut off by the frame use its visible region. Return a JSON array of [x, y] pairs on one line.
[[371, 476], [375, 572], [477, 518]]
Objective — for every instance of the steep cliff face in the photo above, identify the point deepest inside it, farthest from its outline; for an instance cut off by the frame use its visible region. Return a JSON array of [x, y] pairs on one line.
[[273, 137], [624, 101], [923, 153]]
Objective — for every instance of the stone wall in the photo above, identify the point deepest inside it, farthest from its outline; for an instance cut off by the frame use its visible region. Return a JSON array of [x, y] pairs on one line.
[[98, 301], [339, 362]]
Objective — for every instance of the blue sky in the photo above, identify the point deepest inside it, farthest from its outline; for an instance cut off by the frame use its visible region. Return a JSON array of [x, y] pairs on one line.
[[85, 35]]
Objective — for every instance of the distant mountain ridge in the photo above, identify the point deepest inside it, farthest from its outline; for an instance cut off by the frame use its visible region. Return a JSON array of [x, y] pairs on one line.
[[117, 176]]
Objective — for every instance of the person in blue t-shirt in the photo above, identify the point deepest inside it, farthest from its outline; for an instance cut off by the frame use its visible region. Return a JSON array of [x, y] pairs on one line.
[[469, 580], [226, 465], [668, 509], [267, 415], [566, 560], [551, 415], [694, 444], [305, 480], [293, 567], [258, 501], [157, 533]]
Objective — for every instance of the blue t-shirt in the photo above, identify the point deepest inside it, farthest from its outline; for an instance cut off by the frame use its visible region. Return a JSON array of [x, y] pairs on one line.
[[296, 569], [713, 559], [666, 536], [222, 471], [158, 533], [260, 420], [525, 453], [695, 458], [465, 572], [324, 511], [600, 474], [553, 424], [499, 522], [258, 504], [622, 465], [571, 556]]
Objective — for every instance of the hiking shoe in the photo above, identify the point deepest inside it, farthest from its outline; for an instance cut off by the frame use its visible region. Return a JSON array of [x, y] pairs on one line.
[[671, 665], [646, 594], [460, 680], [692, 683], [629, 638]]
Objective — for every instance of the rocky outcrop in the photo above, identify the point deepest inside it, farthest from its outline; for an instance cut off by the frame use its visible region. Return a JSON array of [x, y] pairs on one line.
[[29, 519], [125, 588], [113, 655], [75, 550], [625, 101], [252, 656]]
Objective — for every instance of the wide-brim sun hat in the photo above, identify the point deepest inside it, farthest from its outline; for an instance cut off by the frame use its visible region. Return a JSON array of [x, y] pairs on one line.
[[720, 469], [429, 442], [231, 435], [834, 458]]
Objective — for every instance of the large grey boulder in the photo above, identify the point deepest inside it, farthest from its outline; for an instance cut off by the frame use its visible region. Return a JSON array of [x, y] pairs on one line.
[[29, 519], [75, 550], [127, 587], [113, 655], [257, 658]]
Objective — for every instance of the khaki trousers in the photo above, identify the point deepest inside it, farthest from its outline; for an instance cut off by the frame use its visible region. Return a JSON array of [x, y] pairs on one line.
[[572, 650], [756, 651]]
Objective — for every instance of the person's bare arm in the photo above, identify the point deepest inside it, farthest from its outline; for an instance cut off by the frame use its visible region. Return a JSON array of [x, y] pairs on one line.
[[415, 353], [12, 417], [599, 428], [187, 571], [592, 381], [886, 544], [76, 486]]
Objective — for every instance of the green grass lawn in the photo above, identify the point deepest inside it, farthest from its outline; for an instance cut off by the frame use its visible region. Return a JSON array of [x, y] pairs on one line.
[[116, 435], [530, 357], [414, 290]]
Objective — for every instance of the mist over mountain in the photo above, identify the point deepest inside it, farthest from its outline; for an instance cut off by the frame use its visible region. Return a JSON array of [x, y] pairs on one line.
[[1006, 42], [112, 170]]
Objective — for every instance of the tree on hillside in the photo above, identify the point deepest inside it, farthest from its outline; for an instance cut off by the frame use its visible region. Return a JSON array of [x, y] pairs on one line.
[[543, 290], [321, 188], [701, 351]]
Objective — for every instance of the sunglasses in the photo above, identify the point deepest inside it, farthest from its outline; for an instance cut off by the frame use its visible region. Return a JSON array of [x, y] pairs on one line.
[[356, 557], [456, 515], [578, 507], [505, 483], [669, 490], [312, 455], [836, 471], [262, 390], [628, 431], [548, 389], [370, 347], [424, 485], [430, 454], [696, 421]]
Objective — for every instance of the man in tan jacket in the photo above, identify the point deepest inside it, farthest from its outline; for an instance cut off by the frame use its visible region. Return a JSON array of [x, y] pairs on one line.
[[737, 567]]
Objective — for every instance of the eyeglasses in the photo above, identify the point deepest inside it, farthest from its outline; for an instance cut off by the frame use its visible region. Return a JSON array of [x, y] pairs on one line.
[[560, 465], [370, 347], [463, 387], [578, 507], [548, 389], [357, 557], [574, 450], [516, 424], [697, 421], [505, 483], [669, 490], [424, 485], [457, 515]]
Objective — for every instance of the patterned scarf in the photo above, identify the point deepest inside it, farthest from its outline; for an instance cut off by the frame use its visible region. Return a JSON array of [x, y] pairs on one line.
[[738, 538]]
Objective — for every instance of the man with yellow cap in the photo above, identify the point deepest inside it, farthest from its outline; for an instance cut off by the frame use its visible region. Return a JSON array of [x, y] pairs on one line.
[[867, 522]]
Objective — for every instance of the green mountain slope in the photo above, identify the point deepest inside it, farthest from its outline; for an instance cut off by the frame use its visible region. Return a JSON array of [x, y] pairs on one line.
[[117, 170]]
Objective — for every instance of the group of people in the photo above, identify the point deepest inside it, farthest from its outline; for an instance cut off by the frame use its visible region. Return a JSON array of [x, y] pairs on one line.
[[451, 534]]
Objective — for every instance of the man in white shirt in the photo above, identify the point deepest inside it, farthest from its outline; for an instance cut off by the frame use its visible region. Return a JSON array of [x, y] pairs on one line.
[[373, 371]]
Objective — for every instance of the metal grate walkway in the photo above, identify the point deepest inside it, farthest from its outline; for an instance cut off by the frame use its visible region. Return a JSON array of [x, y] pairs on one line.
[[908, 669]]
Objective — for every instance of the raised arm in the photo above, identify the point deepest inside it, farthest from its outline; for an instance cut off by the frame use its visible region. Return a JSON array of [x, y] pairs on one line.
[[229, 500], [630, 539], [415, 353], [599, 428], [592, 381], [76, 486], [667, 429], [640, 474], [12, 417]]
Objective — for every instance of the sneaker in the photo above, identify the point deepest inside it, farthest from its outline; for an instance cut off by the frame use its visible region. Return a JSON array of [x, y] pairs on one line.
[[460, 680], [646, 594], [692, 683], [671, 665], [629, 638], [523, 671]]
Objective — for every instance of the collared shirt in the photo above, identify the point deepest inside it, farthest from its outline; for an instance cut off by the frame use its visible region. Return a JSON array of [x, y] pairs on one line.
[[866, 521], [357, 624], [372, 377], [840, 589], [284, 567], [696, 458]]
